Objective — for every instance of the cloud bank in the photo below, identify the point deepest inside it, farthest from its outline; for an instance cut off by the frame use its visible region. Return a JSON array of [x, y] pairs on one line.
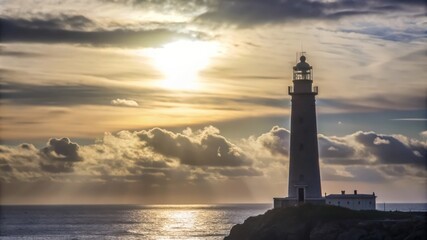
[[160, 158]]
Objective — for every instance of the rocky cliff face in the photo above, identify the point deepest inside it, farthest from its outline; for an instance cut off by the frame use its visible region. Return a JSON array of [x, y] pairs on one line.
[[324, 222]]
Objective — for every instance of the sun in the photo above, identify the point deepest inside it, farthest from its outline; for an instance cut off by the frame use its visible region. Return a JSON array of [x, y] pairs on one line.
[[180, 62]]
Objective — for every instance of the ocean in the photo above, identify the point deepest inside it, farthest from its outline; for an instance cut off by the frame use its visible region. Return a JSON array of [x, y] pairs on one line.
[[124, 221], [160, 222]]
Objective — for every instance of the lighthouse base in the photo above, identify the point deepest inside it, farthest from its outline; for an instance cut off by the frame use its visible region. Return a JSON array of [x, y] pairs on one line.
[[289, 202]]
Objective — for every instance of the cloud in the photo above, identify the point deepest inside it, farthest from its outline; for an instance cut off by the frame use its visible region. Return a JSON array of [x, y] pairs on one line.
[[393, 149], [166, 6], [75, 94], [334, 147], [157, 158], [59, 155], [378, 141], [248, 13], [124, 102], [62, 149], [360, 148], [67, 30], [48, 21], [68, 95], [206, 147], [372, 148], [276, 141], [410, 119]]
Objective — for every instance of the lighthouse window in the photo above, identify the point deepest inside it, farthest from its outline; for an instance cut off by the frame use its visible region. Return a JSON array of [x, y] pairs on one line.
[[301, 147]]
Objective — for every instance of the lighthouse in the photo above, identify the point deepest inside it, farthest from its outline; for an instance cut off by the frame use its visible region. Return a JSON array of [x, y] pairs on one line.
[[304, 173]]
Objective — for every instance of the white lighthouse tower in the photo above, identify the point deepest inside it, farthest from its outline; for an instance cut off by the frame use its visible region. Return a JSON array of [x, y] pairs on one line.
[[304, 173]]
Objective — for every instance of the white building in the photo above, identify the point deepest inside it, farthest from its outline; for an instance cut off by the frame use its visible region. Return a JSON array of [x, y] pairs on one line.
[[353, 201]]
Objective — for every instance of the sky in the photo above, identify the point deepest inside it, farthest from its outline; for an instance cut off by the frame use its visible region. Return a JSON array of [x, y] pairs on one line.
[[186, 101]]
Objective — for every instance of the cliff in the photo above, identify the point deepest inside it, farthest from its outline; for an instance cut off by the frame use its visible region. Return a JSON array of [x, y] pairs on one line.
[[323, 222]]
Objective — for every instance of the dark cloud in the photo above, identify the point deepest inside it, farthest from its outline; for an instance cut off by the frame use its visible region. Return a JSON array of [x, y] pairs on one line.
[[62, 149], [419, 3], [276, 141], [392, 150], [68, 95], [59, 155], [252, 12], [54, 31], [208, 149], [330, 147], [370, 148], [61, 21], [248, 13], [65, 95], [27, 146]]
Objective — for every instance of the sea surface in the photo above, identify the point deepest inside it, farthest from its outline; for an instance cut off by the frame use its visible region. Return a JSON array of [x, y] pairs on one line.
[[403, 207], [124, 221], [194, 222]]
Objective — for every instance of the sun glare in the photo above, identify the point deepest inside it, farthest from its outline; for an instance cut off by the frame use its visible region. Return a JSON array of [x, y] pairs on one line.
[[180, 62]]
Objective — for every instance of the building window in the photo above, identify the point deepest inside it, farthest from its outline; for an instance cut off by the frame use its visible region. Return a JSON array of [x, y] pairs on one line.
[[338, 203], [301, 177], [369, 202], [348, 203], [301, 147], [329, 202], [301, 119], [358, 202]]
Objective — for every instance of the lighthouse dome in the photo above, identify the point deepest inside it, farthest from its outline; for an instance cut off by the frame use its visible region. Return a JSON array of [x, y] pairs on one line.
[[302, 65]]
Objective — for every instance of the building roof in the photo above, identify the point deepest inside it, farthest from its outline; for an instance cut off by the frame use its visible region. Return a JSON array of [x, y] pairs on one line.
[[350, 196]]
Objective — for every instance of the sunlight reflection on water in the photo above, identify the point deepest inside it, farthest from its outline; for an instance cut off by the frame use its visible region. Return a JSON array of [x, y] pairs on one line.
[[189, 222]]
